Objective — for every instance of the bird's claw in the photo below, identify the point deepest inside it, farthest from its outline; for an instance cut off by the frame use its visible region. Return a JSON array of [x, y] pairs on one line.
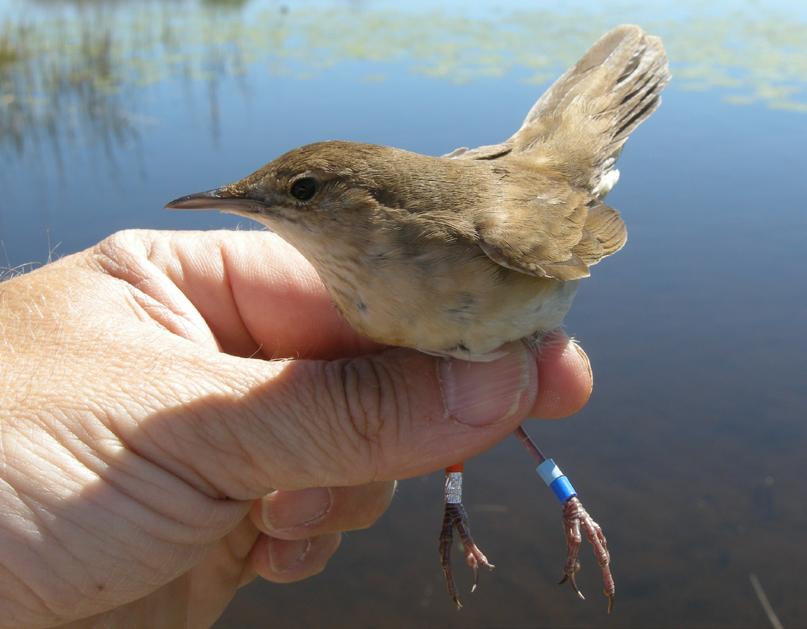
[[573, 583], [575, 517], [455, 517]]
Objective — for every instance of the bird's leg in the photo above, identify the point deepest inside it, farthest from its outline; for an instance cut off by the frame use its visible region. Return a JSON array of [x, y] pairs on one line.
[[575, 518], [455, 517]]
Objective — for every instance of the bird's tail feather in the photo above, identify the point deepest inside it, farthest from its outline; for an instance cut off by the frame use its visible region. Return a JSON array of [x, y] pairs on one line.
[[581, 122]]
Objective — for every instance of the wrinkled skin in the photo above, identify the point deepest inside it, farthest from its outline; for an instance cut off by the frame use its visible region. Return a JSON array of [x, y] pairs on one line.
[[151, 462]]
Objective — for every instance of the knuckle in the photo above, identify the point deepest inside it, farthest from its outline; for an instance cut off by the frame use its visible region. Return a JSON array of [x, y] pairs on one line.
[[363, 394], [375, 505], [121, 240], [366, 520], [319, 564], [369, 396], [323, 549], [120, 255]]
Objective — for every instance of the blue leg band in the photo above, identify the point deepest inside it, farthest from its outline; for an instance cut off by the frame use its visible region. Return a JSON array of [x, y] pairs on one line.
[[556, 480]]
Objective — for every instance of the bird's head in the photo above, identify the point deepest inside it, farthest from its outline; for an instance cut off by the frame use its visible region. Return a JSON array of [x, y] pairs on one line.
[[321, 188]]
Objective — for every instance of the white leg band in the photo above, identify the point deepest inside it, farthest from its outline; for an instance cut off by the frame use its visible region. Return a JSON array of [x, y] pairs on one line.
[[453, 488]]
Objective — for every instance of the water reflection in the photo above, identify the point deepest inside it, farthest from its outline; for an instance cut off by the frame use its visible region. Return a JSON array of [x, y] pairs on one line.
[[76, 71]]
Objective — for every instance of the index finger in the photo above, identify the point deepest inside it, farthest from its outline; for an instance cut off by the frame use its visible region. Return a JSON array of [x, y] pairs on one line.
[[258, 294]]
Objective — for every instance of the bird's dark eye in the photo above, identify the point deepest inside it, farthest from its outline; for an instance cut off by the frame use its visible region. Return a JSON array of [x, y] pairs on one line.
[[304, 188]]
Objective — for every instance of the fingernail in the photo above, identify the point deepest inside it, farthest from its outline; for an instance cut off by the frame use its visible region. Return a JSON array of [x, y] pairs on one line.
[[482, 393], [293, 509], [286, 555], [584, 358]]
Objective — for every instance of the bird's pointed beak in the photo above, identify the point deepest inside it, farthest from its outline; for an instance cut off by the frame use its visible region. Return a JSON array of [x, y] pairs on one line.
[[226, 198]]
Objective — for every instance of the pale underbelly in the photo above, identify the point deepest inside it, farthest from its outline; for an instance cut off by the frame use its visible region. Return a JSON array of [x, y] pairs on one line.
[[467, 315]]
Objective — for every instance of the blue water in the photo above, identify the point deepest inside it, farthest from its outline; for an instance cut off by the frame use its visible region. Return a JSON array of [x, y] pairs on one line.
[[691, 452]]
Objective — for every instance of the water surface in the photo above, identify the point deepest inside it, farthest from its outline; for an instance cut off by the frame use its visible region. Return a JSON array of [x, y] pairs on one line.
[[691, 452]]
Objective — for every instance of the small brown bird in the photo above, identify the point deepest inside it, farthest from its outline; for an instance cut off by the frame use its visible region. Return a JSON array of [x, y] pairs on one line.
[[460, 254]]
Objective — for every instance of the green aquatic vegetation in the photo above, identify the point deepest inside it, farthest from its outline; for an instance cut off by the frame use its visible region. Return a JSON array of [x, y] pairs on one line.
[[7, 54]]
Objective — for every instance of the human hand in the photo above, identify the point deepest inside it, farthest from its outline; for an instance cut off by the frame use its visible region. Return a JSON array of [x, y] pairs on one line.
[[151, 462]]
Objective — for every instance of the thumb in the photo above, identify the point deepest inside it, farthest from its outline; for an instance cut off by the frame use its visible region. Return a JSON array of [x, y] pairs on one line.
[[394, 414]]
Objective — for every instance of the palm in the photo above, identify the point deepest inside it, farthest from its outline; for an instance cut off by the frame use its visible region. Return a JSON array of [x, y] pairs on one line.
[[196, 598]]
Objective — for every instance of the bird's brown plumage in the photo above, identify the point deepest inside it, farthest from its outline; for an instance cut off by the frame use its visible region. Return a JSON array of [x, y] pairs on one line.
[[572, 137], [460, 254]]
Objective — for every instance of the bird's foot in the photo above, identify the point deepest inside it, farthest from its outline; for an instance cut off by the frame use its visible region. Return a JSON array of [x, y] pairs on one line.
[[455, 517], [576, 517]]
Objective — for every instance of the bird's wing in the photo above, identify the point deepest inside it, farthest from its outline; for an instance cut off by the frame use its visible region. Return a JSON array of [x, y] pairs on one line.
[[559, 235]]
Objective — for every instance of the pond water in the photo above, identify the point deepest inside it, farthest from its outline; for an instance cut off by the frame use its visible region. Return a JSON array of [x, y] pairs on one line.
[[691, 452]]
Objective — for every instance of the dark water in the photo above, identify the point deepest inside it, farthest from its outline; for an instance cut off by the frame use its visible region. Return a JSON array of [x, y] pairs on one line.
[[692, 450]]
